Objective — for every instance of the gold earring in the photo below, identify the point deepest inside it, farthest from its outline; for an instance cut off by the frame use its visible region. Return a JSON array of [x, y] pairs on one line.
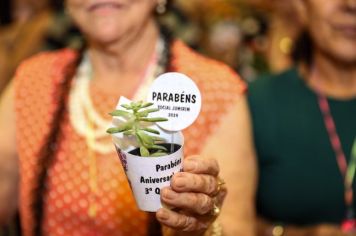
[[351, 3], [161, 6]]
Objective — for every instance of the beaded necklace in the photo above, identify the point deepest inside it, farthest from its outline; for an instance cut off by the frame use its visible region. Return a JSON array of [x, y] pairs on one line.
[[88, 123], [82, 110]]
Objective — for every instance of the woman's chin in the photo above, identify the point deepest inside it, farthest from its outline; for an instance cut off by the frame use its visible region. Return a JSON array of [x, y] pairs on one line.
[[105, 38], [346, 54]]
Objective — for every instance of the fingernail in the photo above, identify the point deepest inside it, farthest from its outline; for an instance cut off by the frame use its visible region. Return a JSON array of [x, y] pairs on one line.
[[162, 214], [190, 165], [179, 181], [169, 194]]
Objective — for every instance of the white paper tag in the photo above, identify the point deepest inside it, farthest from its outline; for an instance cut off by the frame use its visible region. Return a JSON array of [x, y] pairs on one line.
[[177, 98], [148, 175]]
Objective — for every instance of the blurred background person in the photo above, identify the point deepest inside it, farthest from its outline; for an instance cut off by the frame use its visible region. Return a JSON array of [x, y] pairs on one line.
[[305, 130], [233, 32], [284, 27], [28, 27], [22, 35], [258, 32], [44, 151]]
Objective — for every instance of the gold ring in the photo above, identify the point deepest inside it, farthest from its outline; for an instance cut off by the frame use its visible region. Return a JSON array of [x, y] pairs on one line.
[[215, 211], [221, 182]]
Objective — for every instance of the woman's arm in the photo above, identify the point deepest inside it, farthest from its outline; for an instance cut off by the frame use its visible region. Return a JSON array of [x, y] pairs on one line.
[[8, 157], [232, 146]]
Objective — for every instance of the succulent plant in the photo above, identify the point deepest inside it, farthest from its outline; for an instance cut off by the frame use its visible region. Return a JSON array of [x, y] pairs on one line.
[[136, 124]]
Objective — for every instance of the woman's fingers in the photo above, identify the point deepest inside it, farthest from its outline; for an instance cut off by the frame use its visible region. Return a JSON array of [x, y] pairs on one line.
[[197, 183], [194, 194], [198, 165], [197, 203], [179, 221]]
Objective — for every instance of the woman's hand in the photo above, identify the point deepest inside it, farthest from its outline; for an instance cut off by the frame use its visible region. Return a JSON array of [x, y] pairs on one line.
[[194, 197]]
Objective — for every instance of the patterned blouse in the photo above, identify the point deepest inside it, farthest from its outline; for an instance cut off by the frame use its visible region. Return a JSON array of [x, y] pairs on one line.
[[68, 194]]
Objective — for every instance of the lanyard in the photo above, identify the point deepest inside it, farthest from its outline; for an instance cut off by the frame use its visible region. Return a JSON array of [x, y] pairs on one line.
[[347, 170]]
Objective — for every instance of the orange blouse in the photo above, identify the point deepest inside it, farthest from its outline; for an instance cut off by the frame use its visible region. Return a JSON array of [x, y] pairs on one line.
[[67, 199]]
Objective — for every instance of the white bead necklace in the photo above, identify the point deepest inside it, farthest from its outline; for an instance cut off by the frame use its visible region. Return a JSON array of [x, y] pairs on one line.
[[82, 114]]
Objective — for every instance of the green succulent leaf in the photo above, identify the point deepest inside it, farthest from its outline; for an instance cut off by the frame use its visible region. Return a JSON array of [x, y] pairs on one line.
[[144, 151], [158, 147], [136, 105], [136, 113], [150, 110], [126, 106], [146, 104], [113, 130], [158, 154], [141, 114], [151, 130], [156, 119], [146, 139], [122, 128], [139, 139], [116, 130], [158, 139], [146, 112], [129, 132], [121, 113]]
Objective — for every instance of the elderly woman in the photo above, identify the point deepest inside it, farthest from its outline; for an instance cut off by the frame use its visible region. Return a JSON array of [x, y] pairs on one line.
[[304, 130], [61, 169]]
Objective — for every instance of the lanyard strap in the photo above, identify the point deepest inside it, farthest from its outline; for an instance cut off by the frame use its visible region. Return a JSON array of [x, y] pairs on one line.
[[347, 170]]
